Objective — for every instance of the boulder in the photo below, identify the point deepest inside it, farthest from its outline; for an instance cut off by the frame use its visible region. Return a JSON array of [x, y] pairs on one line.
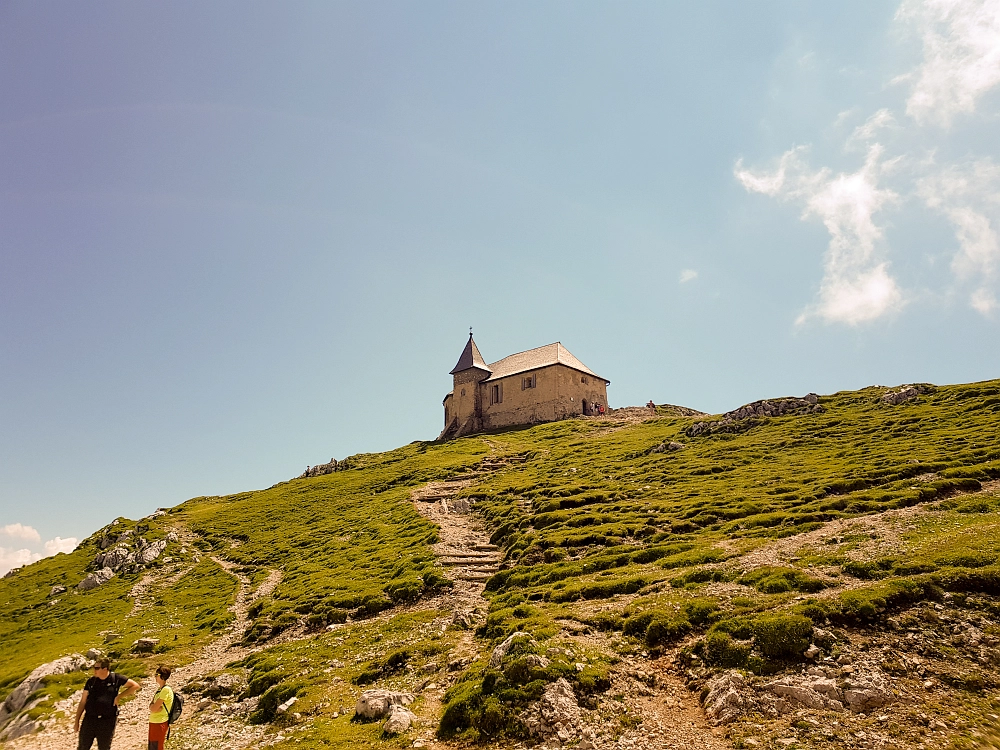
[[21, 726], [94, 654], [95, 579], [906, 393], [500, 652], [115, 558], [377, 704], [866, 692], [56, 590], [145, 645], [810, 691], [283, 708], [172, 536], [19, 695], [400, 719], [153, 551], [729, 696], [556, 715]]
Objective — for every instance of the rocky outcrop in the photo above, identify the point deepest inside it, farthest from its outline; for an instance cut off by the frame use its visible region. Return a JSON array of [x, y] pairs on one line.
[[556, 715], [320, 470], [95, 579], [377, 704], [667, 447], [906, 393], [742, 419], [820, 688], [151, 552], [18, 697], [729, 696]]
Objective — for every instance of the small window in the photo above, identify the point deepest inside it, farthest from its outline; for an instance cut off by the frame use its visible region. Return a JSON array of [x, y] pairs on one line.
[[496, 394], [463, 391], [527, 383], [584, 380]]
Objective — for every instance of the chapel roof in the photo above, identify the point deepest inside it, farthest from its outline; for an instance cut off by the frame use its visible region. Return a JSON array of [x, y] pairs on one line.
[[543, 356], [470, 358]]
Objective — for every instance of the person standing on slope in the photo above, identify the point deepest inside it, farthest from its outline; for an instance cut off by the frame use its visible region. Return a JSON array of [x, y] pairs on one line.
[[159, 710], [99, 706]]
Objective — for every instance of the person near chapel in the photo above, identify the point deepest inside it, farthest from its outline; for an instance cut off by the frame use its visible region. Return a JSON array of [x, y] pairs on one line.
[[97, 713], [159, 710]]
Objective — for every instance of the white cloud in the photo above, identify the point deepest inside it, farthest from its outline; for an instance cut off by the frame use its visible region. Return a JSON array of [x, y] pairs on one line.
[[58, 544], [15, 558], [856, 284], [969, 195], [960, 63], [20, 531], [863, 135], [961, 56], [688, 274]]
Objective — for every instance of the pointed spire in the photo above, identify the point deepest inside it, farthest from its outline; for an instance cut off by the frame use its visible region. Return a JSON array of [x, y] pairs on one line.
[[470, 358]]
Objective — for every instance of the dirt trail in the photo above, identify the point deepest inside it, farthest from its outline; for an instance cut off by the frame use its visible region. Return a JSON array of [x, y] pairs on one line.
[[132, 721]]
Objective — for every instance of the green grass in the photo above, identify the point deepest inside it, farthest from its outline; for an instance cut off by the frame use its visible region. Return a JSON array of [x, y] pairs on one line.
[[592, 516]]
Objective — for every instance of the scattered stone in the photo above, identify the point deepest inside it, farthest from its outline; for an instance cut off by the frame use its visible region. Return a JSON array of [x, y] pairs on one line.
[[95, 579], [376, 704], [463, 620], [812, 653], [172, 537], [287, 705], [556, 715], [667, 447], [94, 654], [56, 590]]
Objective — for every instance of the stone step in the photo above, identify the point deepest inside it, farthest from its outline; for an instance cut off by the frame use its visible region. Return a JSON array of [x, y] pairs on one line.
[[467, 559], [464, 576], [485, 548]]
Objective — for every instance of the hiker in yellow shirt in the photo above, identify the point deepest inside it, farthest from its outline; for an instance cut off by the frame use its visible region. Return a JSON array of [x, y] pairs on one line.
[[159, 710]]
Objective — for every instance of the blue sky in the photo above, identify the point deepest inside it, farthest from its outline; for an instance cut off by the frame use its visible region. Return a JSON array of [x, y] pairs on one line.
[[238, 239]]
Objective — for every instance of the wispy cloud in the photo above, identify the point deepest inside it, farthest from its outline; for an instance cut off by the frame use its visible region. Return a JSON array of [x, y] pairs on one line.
[[688, 274], [960, 63], [20, 531], [961, 50], [856, 284]]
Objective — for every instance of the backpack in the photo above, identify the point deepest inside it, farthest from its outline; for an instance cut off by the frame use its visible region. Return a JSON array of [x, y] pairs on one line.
[[175, 709]]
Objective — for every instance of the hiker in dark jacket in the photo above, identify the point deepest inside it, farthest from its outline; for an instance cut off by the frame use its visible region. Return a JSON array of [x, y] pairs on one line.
[[99, 706]]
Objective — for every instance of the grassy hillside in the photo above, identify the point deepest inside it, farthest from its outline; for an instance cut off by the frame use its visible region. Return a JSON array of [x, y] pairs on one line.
[[731, 544]]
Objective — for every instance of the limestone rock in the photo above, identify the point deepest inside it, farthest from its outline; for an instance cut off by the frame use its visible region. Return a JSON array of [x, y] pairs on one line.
[[400, 719], [95, 579], [906, 393], [19, 696], [866, 692], [810, 691], [172, 536], [377, 704], [729, 696], [500, 652], [145, 645], [94, 654], [742, 419], [283, 708], [56, 590], [115, 558], [152, 552], [556, 715], [19, 727]]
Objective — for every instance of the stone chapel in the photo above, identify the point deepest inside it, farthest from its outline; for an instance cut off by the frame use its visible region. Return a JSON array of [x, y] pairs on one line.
[[539, 385]]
